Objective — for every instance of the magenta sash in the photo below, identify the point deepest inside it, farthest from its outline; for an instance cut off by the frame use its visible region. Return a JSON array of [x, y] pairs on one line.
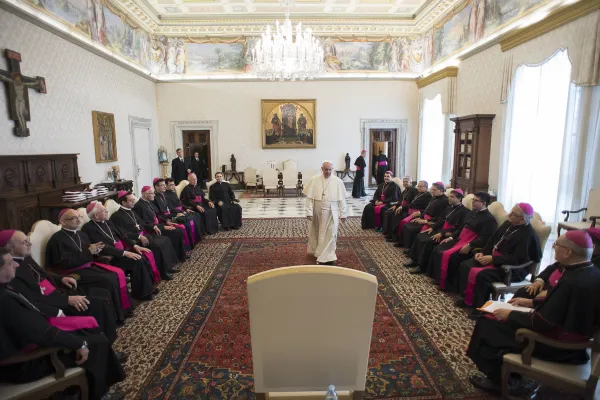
[[47, 287], [406, 220], [199, 199], [70, 324], [193, 231], [179, 208], [380, 163], [378, 212], [466, 235], [149, 256], [357, 168], [470, 290], [404, 203], [125, 303], [447, 225], [186, 239], [425, 227], [155, 220], [555, 277], [119, 245]]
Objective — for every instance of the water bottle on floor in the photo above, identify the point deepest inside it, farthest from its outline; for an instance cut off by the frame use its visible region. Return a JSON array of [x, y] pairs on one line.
[[331, 394]]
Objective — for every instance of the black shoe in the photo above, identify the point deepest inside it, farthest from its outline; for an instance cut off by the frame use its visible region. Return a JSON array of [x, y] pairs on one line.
[[148, 297], [175, 270], [484, 383], [398, 245], [129, 313], [475, 315], [156, 290], [326, 263], [406, 252], [187, 257], [226, 229], [415, 271], [113, 396], [410, 264], [389, 239], [167, 277], [122, 356], [461, 304]]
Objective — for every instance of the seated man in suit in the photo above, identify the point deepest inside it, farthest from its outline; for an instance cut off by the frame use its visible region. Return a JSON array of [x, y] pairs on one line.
[[228, 211], [570, 313], [23, 326]]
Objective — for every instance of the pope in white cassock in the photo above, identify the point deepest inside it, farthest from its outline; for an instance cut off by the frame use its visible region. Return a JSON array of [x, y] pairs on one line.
[[325, 206]]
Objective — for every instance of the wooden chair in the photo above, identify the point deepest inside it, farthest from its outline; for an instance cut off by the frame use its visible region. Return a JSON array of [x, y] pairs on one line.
[[591, 214], [40, 234], [112, 206], [47, 386], [310, 327], [577, 379], [250, 178], [179, 188], [270, 180]]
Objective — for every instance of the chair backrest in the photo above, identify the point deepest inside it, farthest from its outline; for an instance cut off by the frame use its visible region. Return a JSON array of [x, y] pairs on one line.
[[83, 213], [290, 177], [112, 206], [498, 211], [210, 183], [291, 164], [448, 191], [468, 201], [541, 229], [593, 205], [179, 188], [270, 177], [40, 234], [250, 176], [310, 327]]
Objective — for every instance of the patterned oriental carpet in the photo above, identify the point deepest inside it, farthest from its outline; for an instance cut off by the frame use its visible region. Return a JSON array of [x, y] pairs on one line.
[[193, 341]]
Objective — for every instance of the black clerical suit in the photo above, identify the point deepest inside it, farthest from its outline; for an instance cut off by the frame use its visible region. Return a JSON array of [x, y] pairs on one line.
[[230, 213], [433, 210], [193, 196], [419, 203], [483, 224], [197, 166], [178, 170], [194, 230], [390, 192], [67, 250], [162, 248], [140, 271], [451, 218], [390, 219], [27, 281], [358, 187], [570, 313], [22, 324], [514, 245], [544, 276], [149, 214]]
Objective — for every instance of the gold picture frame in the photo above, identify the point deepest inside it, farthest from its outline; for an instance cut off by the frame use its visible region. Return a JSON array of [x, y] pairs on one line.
[[105, 137], [289, 124]]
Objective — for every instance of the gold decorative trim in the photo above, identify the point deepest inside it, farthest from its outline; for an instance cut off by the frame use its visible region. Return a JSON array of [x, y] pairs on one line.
[[556, 19], [448, 72]]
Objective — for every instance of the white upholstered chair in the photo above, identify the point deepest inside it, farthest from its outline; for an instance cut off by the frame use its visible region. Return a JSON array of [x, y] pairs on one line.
[[310, 327], [250, 178], [40, 234], [270, 180], [290, 164], [468, 201], [112, 206], [83, 213], [591, 213], [498, 211], [290, 180], [179, 188]]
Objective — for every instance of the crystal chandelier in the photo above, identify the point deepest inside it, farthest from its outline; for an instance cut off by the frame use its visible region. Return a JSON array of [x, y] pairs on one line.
[[278, 56]]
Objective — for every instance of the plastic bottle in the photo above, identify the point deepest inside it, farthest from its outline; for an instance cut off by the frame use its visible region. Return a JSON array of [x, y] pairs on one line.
[[331, 394]]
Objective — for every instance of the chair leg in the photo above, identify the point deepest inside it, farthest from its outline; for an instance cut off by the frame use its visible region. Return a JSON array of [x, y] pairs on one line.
[[261, 396], [504, 382], [83, 387], [358, 395]]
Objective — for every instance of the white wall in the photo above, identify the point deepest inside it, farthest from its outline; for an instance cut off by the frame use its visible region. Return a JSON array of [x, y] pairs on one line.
[[78, 82], [340, 107]]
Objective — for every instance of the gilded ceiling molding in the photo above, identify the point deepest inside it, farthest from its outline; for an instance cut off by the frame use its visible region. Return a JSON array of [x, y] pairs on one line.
[[448, 72], [556, 19]]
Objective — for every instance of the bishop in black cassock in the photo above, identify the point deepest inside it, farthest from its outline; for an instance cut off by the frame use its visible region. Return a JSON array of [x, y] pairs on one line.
[[176, 204], [399, 209], [514, 243], [131, 223], [125, 253], [221, 195], [454, 215], [381, 163], [434, 209], [569, 313], [385, 194], [152, 223], [193, 197], [418, 204], [358, 187], [70, 252]]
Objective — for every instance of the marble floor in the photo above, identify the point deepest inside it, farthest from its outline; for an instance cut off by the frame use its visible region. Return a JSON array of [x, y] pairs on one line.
[[293, 207]]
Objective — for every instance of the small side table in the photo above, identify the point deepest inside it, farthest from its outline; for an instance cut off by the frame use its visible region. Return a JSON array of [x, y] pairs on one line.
[[345, 173]]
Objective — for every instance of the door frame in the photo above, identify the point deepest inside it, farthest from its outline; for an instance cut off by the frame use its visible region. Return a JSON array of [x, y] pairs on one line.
[[401, 127], [143, 123], [190, 154], [177, 128]]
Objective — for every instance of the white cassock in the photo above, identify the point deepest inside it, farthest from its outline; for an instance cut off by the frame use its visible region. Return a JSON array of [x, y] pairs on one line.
[[326, 204]]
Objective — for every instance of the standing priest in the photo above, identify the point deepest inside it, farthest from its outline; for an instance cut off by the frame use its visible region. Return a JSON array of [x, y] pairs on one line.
[[358, 187], [193, 197], [325, 207], [229, 212]]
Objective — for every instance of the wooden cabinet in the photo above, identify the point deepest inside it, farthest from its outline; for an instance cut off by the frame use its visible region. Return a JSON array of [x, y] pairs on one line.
[[472, 142]]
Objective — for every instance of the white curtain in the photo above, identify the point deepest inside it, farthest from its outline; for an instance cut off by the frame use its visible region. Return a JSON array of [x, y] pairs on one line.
[[431, 140], [532, 150]]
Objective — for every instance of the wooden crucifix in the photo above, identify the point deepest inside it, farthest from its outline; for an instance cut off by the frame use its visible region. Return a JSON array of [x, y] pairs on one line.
[[17, 87]]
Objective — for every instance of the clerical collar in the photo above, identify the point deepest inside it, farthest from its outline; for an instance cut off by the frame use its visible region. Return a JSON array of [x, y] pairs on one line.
[[125, 208], [144, 200], [70, 230], [483, 209], [18, 258], [571, 266]]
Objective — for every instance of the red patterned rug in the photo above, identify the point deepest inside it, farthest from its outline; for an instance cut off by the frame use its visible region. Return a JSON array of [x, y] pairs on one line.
[[272, 194], [210, 356]]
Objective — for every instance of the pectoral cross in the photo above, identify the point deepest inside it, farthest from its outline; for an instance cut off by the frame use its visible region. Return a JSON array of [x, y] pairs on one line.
[[17, 93]]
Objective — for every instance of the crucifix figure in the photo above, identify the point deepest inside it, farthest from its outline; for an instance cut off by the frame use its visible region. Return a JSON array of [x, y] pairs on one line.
[[18, 98]]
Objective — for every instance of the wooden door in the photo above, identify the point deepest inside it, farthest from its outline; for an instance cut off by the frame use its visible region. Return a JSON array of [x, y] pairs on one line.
[[199, 141], [388, 138]]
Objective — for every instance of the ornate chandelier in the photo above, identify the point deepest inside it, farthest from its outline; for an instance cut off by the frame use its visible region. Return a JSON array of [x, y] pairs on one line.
[[278, 56]]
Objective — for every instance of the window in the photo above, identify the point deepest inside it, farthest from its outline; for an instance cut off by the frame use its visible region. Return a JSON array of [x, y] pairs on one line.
[[431, 141], [534, 135]]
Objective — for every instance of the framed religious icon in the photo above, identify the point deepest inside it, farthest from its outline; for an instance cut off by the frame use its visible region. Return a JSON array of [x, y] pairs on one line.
[[289, 124], [105, 138]]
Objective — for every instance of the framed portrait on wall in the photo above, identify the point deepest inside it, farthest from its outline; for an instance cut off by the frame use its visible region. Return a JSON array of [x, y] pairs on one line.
[[105, 138], [289, 124]]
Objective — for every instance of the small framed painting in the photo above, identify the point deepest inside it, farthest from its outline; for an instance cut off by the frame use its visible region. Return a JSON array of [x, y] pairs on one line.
[[289, 124], [105, 138]]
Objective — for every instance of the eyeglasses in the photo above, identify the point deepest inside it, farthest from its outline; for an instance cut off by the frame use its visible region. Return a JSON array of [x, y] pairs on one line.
[[556, 244], [477, 201]]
